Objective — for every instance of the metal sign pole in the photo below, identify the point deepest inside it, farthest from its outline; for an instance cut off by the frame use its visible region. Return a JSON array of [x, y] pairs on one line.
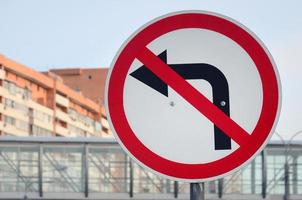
[[196, 192]]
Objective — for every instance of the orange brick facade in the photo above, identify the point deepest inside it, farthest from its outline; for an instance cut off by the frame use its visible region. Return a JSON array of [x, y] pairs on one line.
[[67, 102], [89, 82]]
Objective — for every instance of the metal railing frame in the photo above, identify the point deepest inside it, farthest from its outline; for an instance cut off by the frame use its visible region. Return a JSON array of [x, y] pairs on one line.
[[85, 143]]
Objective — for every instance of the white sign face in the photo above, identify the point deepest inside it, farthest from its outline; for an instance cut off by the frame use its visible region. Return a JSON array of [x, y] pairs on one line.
[[185, 134], [193, 96]]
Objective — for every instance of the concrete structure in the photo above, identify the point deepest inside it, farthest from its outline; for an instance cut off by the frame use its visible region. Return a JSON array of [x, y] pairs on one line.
[[36, 104]]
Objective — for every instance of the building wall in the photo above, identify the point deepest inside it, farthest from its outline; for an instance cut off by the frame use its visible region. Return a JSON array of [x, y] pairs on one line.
[[32, 103], [89, 82]]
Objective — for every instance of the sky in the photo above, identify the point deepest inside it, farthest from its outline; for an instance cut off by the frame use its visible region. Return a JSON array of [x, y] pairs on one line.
[[74, 33]]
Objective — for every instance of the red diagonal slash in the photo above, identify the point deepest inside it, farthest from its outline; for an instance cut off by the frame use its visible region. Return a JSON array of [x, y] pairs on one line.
[[193, 96]]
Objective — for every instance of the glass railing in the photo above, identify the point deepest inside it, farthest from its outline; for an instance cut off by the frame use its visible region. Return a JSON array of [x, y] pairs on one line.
[[95, 167]]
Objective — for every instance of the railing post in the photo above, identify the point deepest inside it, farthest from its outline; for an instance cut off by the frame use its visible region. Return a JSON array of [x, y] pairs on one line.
[[176, 189], [18, 168], [40, 170], [253, 176], [264, 173], [131, 178], [286, 181], [86, 170], [220, 188], [126, 172], [197, 192], [295, 175]]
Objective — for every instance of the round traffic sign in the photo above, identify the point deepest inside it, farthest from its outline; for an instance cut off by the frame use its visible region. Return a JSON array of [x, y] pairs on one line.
[[193, 96]]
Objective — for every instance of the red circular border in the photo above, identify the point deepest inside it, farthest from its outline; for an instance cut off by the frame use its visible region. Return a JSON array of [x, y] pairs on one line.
[[203, 21]]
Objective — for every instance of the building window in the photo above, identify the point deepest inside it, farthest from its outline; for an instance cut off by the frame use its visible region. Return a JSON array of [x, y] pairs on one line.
[[72, 114], [14, 90], [22, 125], [26, 94], [77, 89], [38, 131], [88, 121], [19, 107], [9, 103], [76, 131], [97, 126], [9, 120], [41, 116], [11, 87], [75, 116]]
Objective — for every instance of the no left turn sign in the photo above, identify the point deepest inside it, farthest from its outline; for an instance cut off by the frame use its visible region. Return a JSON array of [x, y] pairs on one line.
[[193, 96]]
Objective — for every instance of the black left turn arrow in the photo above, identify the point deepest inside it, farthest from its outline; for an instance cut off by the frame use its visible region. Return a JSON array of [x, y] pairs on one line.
[[214, 76], [144, 75]]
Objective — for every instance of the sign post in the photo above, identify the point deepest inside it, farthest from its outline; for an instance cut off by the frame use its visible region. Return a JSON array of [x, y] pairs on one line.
[[193, 96], [196, 192]]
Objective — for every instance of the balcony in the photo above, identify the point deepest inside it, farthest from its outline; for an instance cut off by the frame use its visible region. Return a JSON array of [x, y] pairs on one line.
[[2, 74], [8, 128], [61, 100], [60, 130], [62, 116]]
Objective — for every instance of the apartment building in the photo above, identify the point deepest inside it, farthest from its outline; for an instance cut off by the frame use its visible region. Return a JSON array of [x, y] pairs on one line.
[[90, 83], [40, 104]]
